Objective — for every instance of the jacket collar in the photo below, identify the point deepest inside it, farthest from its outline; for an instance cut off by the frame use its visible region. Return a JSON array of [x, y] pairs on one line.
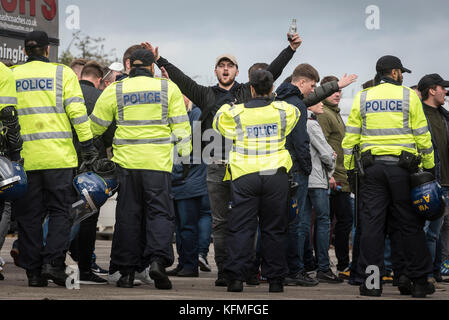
[[37, 58], [137, 72], [334, 108], [258, 102], [389, 80], [233, 88], [87, 83]]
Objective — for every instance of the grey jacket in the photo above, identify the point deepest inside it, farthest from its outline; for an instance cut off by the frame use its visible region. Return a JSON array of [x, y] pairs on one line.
[[323, 161]]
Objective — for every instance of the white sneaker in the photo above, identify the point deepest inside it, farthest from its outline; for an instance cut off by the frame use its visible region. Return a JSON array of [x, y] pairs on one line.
[[139, 278], [144, 276], [204, 264]]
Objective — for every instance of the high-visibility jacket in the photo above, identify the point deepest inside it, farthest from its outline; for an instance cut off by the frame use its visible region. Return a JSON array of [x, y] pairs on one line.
[[49, 100], [8, 96], [259, 136], [151, 117], [388, 119]]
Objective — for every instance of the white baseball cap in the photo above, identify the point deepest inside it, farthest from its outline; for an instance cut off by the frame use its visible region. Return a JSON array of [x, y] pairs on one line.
[[116, 66]]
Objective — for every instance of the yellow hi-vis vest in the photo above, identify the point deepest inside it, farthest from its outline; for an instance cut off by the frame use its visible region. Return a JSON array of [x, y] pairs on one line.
[[49, 101], [8, 96], [151, 117], [388, 119], [259, 136]]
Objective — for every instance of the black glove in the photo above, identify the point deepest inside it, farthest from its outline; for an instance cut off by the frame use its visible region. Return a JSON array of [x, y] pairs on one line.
[[89, 155], [351, 179]]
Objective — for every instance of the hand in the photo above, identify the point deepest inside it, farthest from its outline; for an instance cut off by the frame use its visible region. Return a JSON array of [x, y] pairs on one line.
[[164, 73], [295, 41], [155, 51], [332, 184], [89, 155], [334, 155], [347, 80]]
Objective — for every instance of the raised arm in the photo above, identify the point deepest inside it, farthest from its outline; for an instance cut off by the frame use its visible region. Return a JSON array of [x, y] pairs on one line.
[[277, 66], [198, 94], [328, 89]]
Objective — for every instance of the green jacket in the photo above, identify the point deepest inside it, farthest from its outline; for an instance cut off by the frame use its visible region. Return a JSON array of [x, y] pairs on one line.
[[334, 131]]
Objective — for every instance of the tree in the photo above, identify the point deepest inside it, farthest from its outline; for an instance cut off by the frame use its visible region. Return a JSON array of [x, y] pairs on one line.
[[88, 48]]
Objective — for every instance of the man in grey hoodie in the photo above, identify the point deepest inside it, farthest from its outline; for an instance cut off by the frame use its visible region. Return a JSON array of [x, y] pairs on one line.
[[323, 166]]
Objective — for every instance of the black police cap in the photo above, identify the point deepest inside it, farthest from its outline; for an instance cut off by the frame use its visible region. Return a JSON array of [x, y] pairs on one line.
[[432, 80], [389, 63], [36, 39], [141, 58]]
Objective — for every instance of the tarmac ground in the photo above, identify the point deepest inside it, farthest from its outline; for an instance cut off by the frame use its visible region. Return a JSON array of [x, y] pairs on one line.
[[15, 286]]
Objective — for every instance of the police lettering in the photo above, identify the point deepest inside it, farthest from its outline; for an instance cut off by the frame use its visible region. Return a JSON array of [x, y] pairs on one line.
[[149, 97], [265, 130], [34, 84], [383, 106]]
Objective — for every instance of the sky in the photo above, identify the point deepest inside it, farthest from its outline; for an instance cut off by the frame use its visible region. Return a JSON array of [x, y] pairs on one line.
[[336, 39]]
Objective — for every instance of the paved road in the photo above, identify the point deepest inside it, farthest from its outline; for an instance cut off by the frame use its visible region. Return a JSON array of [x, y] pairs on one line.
[[14, 287]]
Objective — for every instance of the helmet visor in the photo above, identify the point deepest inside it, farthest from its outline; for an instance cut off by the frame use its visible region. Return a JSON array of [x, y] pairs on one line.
[[83, 209]]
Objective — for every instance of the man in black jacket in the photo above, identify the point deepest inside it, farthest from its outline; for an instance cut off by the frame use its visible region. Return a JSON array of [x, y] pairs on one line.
[[300, 90], [210, 99]]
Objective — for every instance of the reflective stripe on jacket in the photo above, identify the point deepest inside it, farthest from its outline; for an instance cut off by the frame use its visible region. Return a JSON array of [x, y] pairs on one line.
[[8, 96], [151, 117], [388, 119], [49, 101], [259, 136]]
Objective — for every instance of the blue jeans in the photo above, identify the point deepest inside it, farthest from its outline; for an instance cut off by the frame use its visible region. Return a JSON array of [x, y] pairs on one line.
[[293, 229], [319, 200], [188, 236], [432, 230]]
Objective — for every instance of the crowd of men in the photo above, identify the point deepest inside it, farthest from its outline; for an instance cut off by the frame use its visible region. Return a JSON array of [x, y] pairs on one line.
[[274, 186]]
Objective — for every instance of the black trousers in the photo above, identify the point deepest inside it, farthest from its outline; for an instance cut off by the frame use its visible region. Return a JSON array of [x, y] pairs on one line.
[[145, 220], [82, 247], [385, 190], [340, 207], [266, 197], [49, 191]]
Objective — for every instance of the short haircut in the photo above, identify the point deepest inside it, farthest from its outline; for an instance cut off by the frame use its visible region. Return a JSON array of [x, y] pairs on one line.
[[262, 81], [257, 66], [78, 62], [368, 84], [305, 70], [288, 80], [329, 79], [425, 94], [92, 69], [130, 51]]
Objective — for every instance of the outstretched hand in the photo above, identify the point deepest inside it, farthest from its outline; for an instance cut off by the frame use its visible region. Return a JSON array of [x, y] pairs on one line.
[[155, 51], [295, 41], [347, 80]]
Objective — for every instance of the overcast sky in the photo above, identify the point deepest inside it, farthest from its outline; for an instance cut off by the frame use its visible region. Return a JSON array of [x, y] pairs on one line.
[[191, 34]]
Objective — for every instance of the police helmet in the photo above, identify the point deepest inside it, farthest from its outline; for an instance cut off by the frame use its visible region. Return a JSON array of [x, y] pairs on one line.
[[93, 193], [427, 196], [107, 170], [13, 180]]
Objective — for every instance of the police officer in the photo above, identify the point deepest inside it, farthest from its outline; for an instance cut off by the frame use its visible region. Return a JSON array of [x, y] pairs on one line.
[[388, 123], [258, 165], [8, 114], [149, 113], [49, 99]]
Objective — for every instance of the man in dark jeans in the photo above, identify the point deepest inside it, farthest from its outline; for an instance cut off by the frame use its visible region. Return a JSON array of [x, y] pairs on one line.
[[300, 91], [211, 99], [82, 247], [340, 200]]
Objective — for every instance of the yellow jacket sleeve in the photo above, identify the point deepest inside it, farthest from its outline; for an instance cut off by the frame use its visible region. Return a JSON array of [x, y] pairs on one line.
[[224, 123], [353, 133], [104, 111], [179, 120], [74, 105], [8, 95], [292, 118], [421, 133]]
